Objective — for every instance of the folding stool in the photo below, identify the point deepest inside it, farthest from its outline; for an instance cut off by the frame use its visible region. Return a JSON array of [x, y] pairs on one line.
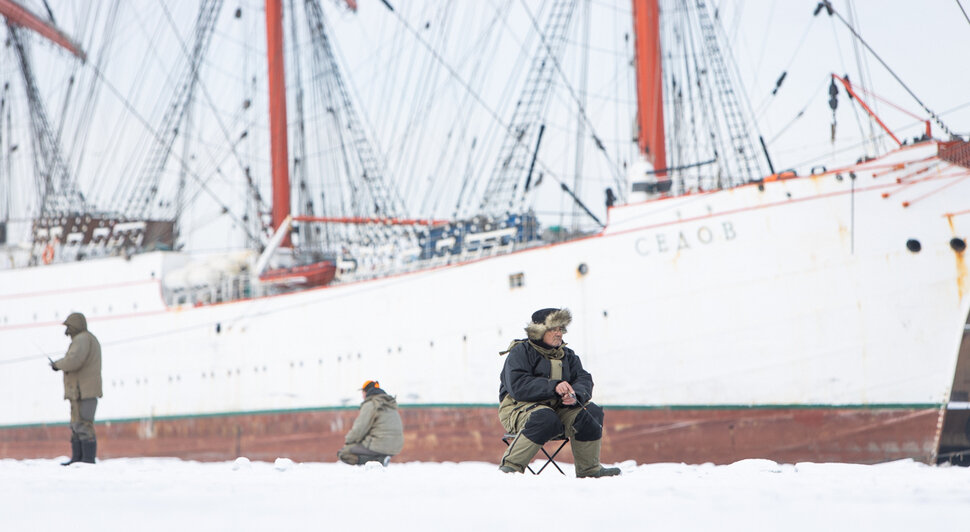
[[550, 458]]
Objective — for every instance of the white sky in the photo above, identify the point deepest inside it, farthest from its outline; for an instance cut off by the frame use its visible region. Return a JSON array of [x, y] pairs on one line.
[[165, 494]]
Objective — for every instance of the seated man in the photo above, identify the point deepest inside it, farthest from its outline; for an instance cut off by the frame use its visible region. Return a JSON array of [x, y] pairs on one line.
[[546, 392], [377, 434]]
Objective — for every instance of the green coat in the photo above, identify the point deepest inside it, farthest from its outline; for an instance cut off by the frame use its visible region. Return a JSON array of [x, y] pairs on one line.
[[82, 363], [378, 426]]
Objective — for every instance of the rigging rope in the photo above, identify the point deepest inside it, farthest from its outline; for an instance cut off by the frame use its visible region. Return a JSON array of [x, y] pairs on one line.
[[763, 106], [964, 11], [201, 182], [496, 118], [800, 113], [231, 141], [864, 74], [434, 53], [579, 104], [88, 110], [933, 115]]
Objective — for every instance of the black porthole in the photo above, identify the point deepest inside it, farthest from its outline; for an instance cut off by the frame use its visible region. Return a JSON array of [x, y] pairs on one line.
[[913, 245], [958, 244]]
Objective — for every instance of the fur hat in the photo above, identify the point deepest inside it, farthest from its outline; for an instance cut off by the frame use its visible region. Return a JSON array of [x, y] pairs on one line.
[[545, 319]]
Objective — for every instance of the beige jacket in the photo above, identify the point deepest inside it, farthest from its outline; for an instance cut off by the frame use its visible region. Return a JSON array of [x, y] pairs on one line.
[[378, 426], [82, 363]]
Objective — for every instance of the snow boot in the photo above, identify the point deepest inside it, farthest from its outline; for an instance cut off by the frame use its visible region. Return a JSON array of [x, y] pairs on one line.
[[604, 472], [89, 449], [75, 451], [519, 454], [507, 469], [587, 457]]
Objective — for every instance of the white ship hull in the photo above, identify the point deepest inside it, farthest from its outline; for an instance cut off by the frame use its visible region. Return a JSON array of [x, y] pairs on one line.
[[802, 295]]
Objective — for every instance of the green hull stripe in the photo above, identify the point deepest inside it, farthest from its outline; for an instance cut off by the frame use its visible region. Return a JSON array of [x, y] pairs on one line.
[[874, 406]]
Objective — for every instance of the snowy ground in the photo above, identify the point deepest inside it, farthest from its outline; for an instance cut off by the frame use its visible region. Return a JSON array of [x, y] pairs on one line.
[[175, 495]]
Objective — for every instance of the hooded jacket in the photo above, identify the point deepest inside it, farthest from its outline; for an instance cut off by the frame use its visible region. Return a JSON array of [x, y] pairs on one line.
[[82, 363], [378, 425]]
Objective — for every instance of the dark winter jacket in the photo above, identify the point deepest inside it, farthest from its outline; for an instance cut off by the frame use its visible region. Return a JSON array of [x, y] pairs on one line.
[[82, 363], [527, 374], [378, 426]]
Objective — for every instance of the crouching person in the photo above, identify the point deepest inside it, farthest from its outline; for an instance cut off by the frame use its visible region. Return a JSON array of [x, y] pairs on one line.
[[545, 392], [377, 434]]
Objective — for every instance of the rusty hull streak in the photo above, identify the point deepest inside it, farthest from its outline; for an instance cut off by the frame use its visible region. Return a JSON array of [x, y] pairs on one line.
[[961, 262], [720, 436]]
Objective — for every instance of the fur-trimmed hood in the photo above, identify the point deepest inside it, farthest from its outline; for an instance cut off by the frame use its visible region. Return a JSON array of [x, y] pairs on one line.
[[545, 319]]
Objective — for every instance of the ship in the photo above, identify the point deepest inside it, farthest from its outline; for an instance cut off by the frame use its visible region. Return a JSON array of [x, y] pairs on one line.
[[726, 310]]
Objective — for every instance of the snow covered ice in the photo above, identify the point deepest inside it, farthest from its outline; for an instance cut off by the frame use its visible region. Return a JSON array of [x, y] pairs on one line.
[[168, 494]]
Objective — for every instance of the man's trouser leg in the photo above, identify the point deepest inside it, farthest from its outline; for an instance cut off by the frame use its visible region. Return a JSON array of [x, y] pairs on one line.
[[534, 425], [587, 455], [82, 425], [584, 427], [346, 456], [357, 454]]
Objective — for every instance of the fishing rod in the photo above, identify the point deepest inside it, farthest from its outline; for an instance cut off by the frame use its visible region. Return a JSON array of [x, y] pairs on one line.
[[40, 352], [581, 405], [591, 416]]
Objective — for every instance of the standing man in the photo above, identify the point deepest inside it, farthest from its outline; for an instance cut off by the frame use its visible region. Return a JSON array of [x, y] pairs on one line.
[[546, 392], [82, 386], [378, 433]]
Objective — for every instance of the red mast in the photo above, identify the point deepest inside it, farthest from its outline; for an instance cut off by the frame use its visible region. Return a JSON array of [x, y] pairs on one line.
[[19, 15], [277, 115], [650, 112]]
